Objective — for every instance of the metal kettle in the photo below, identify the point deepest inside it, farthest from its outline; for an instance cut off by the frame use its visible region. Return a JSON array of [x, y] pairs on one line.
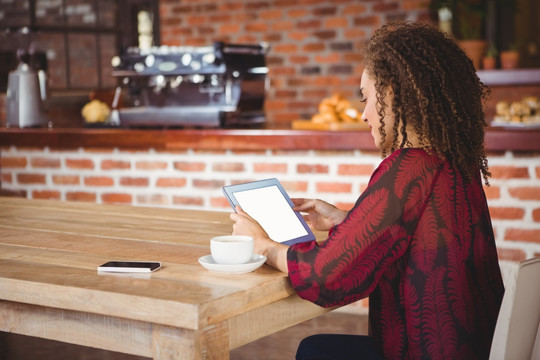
[[24, 106]]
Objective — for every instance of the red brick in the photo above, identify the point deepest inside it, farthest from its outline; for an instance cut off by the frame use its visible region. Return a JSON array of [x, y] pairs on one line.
[[509, 172], [134, 181], [229, 28], [98, 181], [298, 36], [313, 169], [220, 18], [13, 162], [324, 11], [525, 192], [313, 47], [81, 196], [6, 178], [298, 13], [492, 192], [367, 20], [333, 187], [351, 169], [256, 27], [526, 235], [300, 60], [354, 9], [188, 200], [208, 184], [115, 165], [271, 14], [31, 179], [511, 254], [355, 34], [46, 194], [230, 6], [336, 22], [116, 198], [537, 169], [150, 165], [13, 193], [385, 7], [309, 24], [228, 167], [285, 48], [66, 179], [536, 215], [295, 186], [171, 182], [506, 213], [197, 20], [80, 163], [220, 202], [40, 162], [269, 168], [189, 166], [286, 93]]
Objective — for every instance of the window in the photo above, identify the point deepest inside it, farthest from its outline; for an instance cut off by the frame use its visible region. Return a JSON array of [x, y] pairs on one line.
[[80, 37]]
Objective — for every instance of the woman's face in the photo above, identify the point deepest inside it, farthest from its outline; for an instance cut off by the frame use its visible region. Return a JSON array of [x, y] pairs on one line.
[[370, 115]]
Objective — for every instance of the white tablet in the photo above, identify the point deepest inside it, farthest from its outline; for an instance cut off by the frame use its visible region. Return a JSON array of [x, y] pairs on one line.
[[267, 202]]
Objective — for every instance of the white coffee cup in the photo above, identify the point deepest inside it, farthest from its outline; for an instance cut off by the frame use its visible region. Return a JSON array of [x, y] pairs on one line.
[[231, 249]]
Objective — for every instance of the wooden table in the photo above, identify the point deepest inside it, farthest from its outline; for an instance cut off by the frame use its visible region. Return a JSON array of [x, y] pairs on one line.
[[50, 287]]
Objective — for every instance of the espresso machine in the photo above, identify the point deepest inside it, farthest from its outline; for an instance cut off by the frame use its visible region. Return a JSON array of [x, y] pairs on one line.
[[185, 86]]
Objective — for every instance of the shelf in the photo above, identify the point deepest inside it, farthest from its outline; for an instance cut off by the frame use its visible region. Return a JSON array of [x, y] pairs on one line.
[[510, 77]]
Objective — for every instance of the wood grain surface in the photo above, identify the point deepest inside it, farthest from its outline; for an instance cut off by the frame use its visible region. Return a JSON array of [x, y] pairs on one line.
[[50, 287]]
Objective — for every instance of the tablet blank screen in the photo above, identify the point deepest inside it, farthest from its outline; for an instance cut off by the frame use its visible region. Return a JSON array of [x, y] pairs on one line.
[[272, 211]]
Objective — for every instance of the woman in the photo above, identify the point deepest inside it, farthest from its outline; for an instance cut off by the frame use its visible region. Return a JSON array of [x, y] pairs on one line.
[[419, 240]]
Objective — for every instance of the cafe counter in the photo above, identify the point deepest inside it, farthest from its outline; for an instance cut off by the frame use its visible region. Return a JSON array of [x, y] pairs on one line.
[[186, 169], [497, 139]]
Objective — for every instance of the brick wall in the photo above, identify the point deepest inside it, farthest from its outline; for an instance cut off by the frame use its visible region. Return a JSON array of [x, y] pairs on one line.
[[315, 44], [193, 179]]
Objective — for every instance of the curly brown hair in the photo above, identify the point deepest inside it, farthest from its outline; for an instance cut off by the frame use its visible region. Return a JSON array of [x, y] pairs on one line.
[[436, 91]]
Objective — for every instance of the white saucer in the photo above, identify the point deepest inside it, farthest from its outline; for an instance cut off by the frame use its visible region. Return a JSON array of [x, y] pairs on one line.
[[253, 264]]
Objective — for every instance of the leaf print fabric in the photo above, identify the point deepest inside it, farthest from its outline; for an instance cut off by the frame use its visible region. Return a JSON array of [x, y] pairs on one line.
[[419, 243]]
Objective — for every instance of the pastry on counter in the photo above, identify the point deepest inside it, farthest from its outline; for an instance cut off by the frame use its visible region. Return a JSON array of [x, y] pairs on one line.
[[96, 111], [336, 109], [335, 113], [521, 113]]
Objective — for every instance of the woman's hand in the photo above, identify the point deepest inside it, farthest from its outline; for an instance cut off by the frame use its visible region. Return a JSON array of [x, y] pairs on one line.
[[320, 214], [275, 252]]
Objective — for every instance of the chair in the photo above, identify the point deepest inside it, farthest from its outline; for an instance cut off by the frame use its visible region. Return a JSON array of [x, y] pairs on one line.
[[517, 333]]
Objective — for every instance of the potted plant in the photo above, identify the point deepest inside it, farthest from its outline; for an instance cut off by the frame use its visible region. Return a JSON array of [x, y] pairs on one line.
[[490, 60], [468, 25], [470, 16], [510, 58]]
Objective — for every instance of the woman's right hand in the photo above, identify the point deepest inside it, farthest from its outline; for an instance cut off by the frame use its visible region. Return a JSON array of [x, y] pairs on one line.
[[320, 214]]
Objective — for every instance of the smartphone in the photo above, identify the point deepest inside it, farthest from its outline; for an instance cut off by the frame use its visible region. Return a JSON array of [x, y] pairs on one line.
[[130, 266]]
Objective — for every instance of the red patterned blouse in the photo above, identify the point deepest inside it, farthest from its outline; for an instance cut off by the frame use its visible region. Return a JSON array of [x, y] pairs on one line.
[[420, 244]]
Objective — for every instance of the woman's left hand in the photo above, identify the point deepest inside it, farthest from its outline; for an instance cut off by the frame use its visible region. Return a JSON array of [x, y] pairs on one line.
[[275, 252]]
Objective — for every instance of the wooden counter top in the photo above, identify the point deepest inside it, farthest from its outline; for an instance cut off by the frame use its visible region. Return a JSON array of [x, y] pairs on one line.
[[49, 254], [497, 139]]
